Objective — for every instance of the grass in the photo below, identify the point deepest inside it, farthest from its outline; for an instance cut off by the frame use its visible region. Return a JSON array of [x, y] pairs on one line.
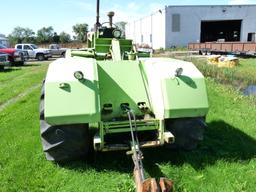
[[224, 161], [161, 50], [15, 80], [240, 77]]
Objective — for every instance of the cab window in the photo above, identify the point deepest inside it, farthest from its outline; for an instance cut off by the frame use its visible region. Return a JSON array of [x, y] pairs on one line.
[[27, 47]]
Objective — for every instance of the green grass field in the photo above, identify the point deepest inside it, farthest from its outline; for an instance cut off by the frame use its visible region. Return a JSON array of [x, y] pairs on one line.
[[225, 161], [240, 76]]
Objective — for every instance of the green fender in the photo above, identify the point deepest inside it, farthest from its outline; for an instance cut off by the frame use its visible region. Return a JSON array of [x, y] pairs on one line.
[[174, 96], [67, 99]]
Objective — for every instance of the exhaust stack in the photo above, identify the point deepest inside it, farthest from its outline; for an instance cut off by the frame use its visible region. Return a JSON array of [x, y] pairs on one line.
[[111, 15], [97, 24]]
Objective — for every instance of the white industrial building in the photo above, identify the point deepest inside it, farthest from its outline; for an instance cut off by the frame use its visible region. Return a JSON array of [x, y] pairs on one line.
[[180, 25]]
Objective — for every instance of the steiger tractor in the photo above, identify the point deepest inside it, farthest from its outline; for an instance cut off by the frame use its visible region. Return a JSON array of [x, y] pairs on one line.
[[111, 97]]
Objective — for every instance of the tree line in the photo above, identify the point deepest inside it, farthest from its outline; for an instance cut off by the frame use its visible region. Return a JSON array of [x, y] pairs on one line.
[[47, 35]]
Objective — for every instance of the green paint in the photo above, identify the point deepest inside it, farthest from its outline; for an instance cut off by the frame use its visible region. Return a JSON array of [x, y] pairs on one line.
[[121, 83], [71, 101], [122, 126], [78, 103], [102, 45], [184, 97]]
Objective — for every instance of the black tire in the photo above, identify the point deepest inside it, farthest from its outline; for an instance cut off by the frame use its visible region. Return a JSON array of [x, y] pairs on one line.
[[63, 54], [40, 57], [63, 142], [188, 132]]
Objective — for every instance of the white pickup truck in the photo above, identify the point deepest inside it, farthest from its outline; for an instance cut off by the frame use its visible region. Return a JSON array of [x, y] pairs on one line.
[[34, 52]]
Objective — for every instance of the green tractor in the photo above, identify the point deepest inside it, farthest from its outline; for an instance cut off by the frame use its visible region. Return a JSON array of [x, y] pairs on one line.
[[111, 97]]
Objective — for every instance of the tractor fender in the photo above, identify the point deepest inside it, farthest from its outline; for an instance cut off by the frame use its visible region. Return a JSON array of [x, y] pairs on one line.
[[175, 95], [69, 100]]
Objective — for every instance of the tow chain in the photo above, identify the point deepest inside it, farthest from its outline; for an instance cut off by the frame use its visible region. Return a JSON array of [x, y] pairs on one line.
[[143, 184]]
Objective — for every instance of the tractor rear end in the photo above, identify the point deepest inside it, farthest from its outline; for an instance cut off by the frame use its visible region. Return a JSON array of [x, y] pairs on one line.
[[107, 98]]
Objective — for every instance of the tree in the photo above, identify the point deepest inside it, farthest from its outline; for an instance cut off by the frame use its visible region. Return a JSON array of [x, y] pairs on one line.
[[64, 37], [56, 38], [21, 35], [81, 31], [28, 35], [121, 25], [45, 35]]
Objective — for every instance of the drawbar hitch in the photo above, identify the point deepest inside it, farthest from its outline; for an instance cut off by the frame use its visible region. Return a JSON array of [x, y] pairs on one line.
[[142, 184]]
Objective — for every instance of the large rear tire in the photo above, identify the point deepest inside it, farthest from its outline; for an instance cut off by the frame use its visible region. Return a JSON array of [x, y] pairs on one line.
[[63, 142], [188, 132]]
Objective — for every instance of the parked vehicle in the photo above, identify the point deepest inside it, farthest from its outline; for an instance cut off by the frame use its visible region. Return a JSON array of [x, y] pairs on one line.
[[3, 60], [34, 52], [236, 48], [56, 50], [14, 56]]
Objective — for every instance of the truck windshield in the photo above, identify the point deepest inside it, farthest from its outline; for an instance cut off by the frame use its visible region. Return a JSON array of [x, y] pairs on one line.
[[34, 46]]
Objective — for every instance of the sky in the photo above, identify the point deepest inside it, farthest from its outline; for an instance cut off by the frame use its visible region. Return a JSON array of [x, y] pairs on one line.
[[63, 14]]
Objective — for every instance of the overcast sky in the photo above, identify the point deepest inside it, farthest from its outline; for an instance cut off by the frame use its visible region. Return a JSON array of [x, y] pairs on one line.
[[63, 14]]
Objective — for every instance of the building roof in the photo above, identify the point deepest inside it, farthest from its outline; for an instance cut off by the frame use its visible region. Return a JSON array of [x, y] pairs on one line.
[[244, 5]]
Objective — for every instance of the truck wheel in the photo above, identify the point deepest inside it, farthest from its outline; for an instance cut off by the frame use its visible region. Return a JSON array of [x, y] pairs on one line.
[[63, 142], [40, 57], [63, 54], [188, 132]]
